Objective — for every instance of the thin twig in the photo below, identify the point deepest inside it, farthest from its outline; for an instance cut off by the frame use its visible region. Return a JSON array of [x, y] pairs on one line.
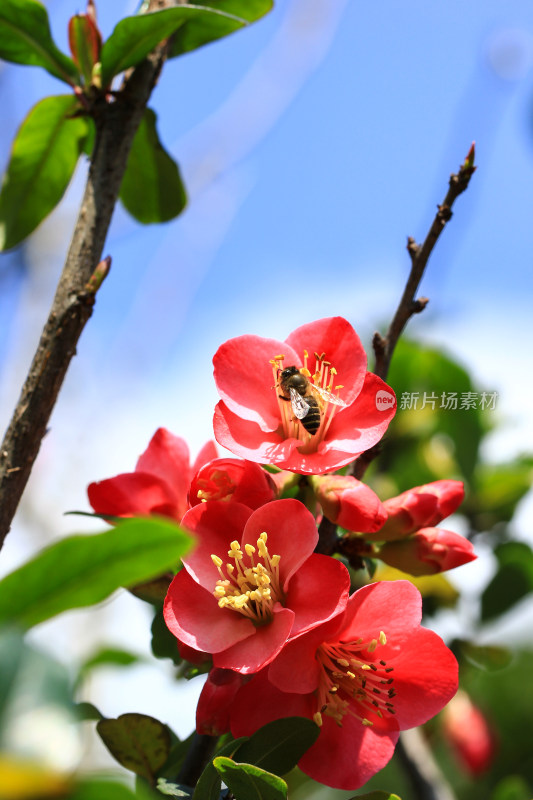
[[384, 346], [425, 776], [116, 124]]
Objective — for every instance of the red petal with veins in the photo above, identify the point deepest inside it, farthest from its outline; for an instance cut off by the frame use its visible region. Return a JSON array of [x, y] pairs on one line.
[[258, 650], [192, 614], [244, 377], [134, 493], [335, 337]]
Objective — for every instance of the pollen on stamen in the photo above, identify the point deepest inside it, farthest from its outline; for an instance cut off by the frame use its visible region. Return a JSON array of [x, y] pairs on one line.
[[317, 718], [382, 638], [372, 646]]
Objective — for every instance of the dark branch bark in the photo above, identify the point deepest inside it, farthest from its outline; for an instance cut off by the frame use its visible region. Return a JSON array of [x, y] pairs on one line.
[[116, 124], [384, 346], [408, 306]]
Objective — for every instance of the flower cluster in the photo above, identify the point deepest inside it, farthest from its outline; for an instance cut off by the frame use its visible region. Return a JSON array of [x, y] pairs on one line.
[[274, 617]]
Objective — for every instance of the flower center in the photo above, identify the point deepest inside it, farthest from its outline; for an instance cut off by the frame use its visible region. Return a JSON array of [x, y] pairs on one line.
[[249, 585], [307, 401], [350, 683], [218, 486]]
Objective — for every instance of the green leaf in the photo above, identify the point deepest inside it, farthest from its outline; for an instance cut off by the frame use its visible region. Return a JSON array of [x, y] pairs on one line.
[[486, 657], [164, 643], [512, 787], [279, 745], [248, 782], [83, 570], [44, 155], [512, 582], [105, 657], [207, 28], [25, 39], [210, 782], [135, 37], [152, 189], [87, 711], [98, 789], [138, 742]]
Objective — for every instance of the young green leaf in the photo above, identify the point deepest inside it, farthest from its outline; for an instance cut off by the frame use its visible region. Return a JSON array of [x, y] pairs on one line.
[[83, 570], [279, 745], [138, 742], [207, 28], [247, 782], [105, 657], [151, 190], [210, 782], [44, 155], [135, 37], [25, 39]]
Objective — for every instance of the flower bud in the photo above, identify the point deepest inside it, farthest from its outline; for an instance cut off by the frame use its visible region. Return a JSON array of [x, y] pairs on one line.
[[421, 507], [85, 41], [428, 551], [349, 502], [232, 479], [469, 734], [212, 712]]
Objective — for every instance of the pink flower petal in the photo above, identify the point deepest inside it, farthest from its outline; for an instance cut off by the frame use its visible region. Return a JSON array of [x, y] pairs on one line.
[[133, 493], [291, 530], [259, 702], [244, 378], [192, 614], [257, 651], [335, 337], [394, 607], [317, 592], [167, 456], [347, 756], [425, 678], [246, 439], [216, 524], [207, 453]]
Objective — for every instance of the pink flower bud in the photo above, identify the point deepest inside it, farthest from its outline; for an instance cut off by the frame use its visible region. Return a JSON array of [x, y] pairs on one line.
[[428, 551], [469, 734], [349, 502], [421, 507]]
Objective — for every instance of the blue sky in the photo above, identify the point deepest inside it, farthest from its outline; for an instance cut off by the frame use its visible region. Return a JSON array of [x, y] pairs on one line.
[[312, 145]]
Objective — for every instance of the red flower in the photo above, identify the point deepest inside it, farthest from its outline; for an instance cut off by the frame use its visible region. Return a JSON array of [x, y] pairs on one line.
[[214, 704], [468, 732], [258, 418], [274, 586], [421, 507], [428, 551], [349, 502], [363, 676], [232, 479], [159, 484]]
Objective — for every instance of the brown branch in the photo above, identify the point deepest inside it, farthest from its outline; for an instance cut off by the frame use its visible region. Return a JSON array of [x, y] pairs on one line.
[[116, 123], [384, 346]]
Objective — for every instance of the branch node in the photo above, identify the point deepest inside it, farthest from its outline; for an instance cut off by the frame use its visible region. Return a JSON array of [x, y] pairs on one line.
[[412, 247], [444, 214], [419, 305], [379, 344]]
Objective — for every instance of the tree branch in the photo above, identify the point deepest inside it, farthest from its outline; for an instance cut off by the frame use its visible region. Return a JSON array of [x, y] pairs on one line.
[[116, 124], [384, 346]]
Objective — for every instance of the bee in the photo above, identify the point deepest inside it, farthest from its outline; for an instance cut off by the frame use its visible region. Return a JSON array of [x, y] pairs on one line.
[[305, 398]]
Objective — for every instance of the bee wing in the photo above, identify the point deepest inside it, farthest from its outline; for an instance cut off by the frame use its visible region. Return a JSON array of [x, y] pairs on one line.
[[299, 406], [328, 397]]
